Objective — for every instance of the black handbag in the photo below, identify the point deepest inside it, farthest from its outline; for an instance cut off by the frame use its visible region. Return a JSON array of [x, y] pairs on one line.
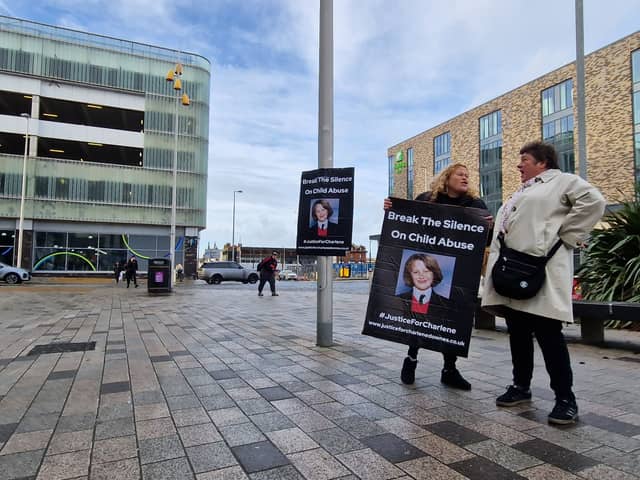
[[519, 275]]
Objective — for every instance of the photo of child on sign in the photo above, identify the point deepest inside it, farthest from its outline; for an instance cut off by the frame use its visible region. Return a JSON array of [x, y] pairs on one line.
[[421, 276], [324, 218]]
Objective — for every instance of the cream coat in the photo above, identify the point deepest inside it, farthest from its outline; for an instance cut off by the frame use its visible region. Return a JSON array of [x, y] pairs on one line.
[[557, 204]]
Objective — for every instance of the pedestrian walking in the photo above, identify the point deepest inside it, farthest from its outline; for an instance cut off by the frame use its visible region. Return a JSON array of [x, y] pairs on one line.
[[179, 272], [131, 272], [117, 270], [267, 268], [549, 206]]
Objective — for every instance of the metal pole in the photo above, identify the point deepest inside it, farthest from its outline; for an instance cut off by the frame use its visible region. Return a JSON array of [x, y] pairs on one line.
[[233, 227], [23, 191], [324, 324], [580, 93], [174, 196]]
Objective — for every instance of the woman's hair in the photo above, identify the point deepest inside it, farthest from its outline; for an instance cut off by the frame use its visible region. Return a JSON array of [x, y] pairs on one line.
[[439, 184], [542, 152], [429, 262], [325, 204]]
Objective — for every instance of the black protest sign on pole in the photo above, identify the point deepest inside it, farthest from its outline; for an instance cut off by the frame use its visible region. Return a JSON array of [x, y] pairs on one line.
[[427, 274], [325, 212]]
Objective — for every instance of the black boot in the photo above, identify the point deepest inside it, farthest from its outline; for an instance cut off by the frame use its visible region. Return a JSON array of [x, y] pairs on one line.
[[452, 378], [408, 372]]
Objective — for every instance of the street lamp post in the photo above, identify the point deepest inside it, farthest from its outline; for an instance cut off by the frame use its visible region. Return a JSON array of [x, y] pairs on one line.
[[233, 227], [324, 321], [23, 191], [174, 76]]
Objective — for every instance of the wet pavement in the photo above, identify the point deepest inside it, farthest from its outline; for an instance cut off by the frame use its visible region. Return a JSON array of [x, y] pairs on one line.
[[213, 382]]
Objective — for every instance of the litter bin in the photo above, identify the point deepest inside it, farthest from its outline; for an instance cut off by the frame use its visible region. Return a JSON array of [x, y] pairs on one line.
[[159, 275]]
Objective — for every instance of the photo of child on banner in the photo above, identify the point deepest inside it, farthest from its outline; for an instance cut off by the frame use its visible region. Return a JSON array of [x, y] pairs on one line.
[[325, 212], [427, 273]]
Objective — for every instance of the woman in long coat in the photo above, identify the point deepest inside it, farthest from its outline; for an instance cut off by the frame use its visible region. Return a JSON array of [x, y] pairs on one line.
[[548, 205]]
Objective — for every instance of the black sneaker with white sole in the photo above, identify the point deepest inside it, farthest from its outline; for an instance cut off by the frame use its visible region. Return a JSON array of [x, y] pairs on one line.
[[564, 412], [514, 395]]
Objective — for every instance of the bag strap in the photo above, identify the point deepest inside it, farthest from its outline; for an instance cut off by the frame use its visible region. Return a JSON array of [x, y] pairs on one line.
[[547, 257], [554, 249]]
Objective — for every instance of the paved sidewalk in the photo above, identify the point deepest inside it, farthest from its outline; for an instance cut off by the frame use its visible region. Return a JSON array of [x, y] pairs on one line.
[[215, 383]]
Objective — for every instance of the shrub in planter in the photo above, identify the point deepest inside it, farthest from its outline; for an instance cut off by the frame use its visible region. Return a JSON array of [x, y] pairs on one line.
[[610, 270]]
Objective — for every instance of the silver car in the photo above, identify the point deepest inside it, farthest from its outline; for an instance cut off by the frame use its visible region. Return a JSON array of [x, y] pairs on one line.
[[217, 272], [13, 274], [287, 275]]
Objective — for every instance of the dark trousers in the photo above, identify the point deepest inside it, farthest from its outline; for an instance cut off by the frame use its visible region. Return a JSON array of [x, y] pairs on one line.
[[522, 327], [449, 358], [267, 278], [132, 276]]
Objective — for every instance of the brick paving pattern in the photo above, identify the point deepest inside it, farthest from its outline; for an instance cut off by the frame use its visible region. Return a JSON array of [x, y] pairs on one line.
[[213, 382]]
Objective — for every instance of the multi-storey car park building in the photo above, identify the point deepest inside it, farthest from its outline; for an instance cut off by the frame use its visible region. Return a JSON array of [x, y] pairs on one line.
[[101, 121], [488, 138]]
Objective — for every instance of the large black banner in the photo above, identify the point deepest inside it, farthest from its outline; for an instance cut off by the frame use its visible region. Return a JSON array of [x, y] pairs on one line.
[[427, 274], [325, 213]]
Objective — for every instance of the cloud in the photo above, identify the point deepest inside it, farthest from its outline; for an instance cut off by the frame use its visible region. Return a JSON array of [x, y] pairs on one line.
[[400, 67], [4, 8]]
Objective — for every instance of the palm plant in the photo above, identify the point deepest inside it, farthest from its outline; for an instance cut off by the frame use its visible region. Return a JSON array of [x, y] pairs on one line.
[[610, 270]]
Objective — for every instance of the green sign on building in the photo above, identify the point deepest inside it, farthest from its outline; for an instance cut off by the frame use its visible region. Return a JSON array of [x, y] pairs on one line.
[[399, 164]]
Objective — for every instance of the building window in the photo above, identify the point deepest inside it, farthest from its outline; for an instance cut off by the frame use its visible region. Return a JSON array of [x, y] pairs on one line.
[[441, 152], [96, 190], [62, 188], [95, 252], [557, 122], [490, 130], [410, 173], [42, 187], [7, 240], [635, 67], [391, 160], [10, 184]]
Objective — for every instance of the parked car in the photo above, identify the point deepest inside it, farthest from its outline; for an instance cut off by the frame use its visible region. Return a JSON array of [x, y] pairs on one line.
[[217, 272], [13, 274], [287, 275]]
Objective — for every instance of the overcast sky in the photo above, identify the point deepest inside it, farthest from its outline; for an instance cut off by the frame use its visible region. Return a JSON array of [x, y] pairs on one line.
[[401, 67]]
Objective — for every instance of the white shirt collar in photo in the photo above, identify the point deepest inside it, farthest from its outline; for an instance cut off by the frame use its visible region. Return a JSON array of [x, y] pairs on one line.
[[417, 293], [322, 225]]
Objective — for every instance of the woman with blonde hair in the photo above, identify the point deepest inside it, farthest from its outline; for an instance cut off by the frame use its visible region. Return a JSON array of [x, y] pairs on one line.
[[450, 187]]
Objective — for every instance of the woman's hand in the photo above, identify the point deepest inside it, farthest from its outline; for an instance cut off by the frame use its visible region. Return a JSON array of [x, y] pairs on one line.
[[489, 219], [387, 203]]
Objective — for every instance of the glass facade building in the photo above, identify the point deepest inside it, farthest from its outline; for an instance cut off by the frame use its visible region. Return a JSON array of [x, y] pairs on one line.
[[410, 173], [441, 152], [489, 136], [490, 167], [102, 142], [557, 122]]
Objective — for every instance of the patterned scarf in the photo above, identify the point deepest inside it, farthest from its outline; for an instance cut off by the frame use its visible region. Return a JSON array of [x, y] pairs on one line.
[[508, 207]]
